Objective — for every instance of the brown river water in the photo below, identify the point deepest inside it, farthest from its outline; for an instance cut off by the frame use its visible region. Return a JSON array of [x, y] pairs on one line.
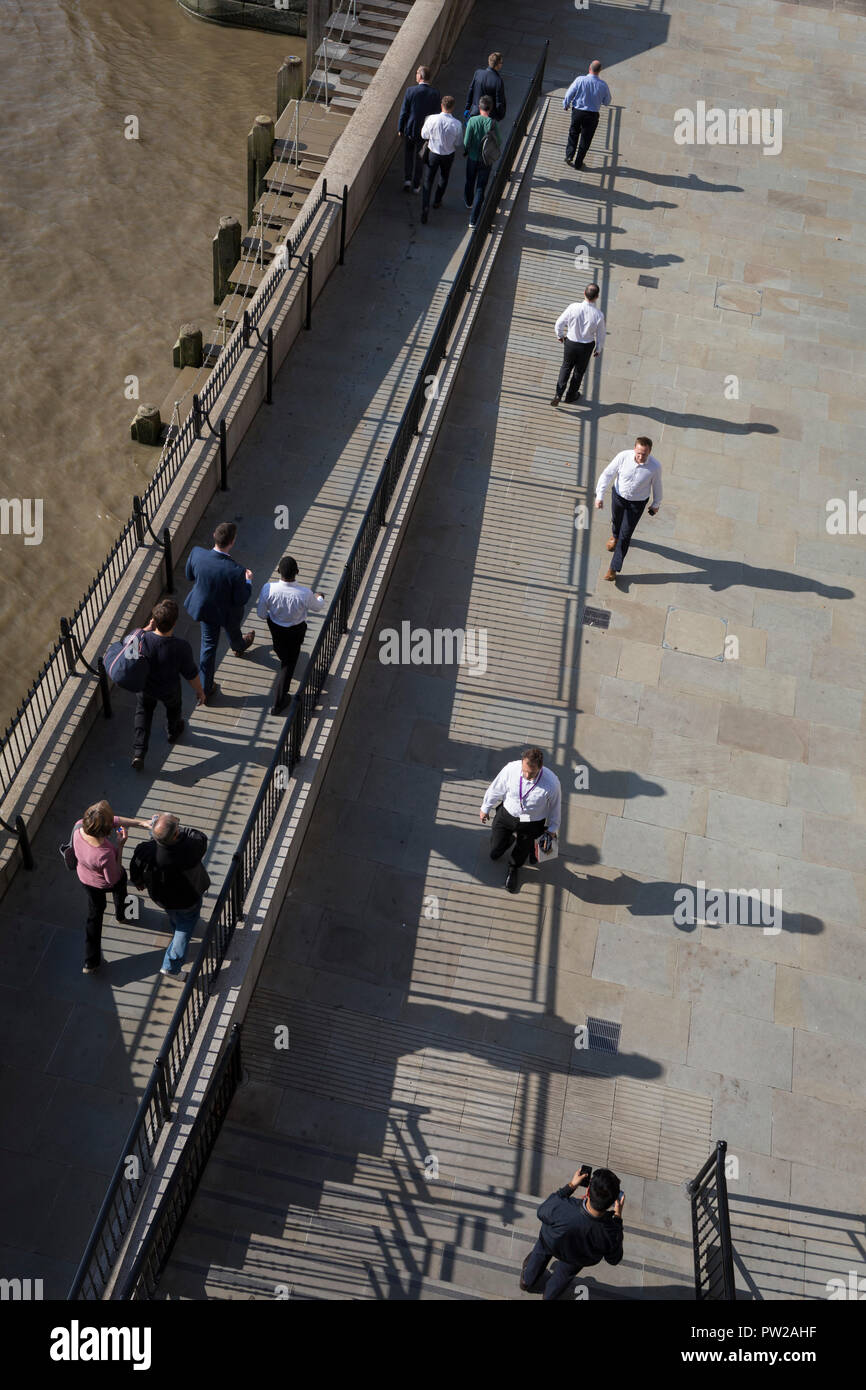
[[105, 249]]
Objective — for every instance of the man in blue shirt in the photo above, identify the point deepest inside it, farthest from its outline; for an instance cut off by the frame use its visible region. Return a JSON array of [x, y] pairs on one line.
[[585, 96]]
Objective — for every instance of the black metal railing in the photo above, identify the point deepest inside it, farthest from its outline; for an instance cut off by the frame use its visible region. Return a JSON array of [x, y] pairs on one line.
[[711, 1230], [90, 1280], [25, 725], [156, 1248]]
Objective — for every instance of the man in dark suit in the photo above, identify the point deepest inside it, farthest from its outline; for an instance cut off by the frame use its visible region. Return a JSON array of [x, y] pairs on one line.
[[217, 599], [578, 1231], [419, 102], [487, 83]]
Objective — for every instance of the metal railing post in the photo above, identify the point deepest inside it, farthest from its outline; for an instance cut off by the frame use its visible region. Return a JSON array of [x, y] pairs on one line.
[[269, 378], [224, 459], [162, 1089], [246, 328], [309, 319], [68, 645], [196, 416], [343, 223], [138, 520], [169, 562], [238, 894], [104, 688]]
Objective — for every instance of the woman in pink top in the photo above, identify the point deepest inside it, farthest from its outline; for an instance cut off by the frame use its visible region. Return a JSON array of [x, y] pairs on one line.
[[101, 871]]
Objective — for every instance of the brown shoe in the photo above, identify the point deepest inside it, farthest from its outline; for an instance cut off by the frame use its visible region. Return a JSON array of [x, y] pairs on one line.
[[611, 545], [249, 638], [611, 574]]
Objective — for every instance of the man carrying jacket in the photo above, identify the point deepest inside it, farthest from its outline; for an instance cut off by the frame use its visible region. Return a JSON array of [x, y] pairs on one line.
[[577, 1231], [221, 589], [169, 866], [419, 102]]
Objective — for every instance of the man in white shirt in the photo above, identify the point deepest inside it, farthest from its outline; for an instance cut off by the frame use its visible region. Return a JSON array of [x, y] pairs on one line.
[[529, 801], [633, 473], [286, 604], [444, 134], [580, 329]]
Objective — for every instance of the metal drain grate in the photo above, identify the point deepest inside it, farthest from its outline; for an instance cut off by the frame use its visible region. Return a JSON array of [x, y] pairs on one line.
[[650, 282], [603, 1035], [596, 617]]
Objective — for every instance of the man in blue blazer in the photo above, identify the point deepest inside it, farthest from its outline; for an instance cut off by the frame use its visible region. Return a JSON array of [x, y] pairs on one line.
[[419, 102], [218, 597]]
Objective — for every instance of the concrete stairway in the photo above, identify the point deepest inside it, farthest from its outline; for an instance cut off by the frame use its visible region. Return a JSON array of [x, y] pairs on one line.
[[353, 48]]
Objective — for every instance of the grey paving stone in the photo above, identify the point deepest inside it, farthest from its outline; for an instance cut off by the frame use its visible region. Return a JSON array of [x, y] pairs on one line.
[[761, 732], [646, 849], [830, 1069], [822, 790], [838, 842], [797, 1119], [707, 974], [829, 704], [742, 820], [630, 957], [676, 805], [753, 1049]]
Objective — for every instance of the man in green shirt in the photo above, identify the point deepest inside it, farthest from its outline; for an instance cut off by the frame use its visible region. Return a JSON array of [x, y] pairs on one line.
[[477, 172]]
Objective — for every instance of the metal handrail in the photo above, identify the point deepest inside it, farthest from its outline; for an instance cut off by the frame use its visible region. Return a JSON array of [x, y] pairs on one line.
[[711, 1230], [228, 909]]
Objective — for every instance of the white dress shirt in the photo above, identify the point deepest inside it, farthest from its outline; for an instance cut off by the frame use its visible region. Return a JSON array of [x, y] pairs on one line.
[[287, 604], [584, 324], [444, 132], [633, 480], [542, 797]]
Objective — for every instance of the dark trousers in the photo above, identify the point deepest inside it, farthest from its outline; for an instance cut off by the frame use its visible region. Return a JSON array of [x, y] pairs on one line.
[[539, 1258], [96, 900], [287, 643], [575, 360], [477, 174], [436, 164], [144, 709], [210, 636], [412, 165], [624, 517], [505, 828], [580, 133]]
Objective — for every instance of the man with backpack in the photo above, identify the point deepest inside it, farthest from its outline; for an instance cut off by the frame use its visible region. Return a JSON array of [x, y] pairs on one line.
[[169, 866], [486, 82], [168, 658], [483, 146]]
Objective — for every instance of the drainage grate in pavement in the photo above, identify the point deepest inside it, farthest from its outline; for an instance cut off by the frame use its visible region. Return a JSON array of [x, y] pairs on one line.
[[596, 617], [650, 282], [603, 1035]]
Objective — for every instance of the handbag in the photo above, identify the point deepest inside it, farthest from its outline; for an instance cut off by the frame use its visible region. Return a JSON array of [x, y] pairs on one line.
[[425, 150], [542, 855], [67, 851]]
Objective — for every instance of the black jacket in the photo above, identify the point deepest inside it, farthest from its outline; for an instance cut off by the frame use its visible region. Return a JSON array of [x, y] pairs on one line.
[[169, 872], [418, 103], [486, 83], [572, 1235]]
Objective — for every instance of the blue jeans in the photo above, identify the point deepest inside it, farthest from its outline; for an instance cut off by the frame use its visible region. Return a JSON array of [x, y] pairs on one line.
[[539, 1258], [477, 174], [210, 636], [184, 921]]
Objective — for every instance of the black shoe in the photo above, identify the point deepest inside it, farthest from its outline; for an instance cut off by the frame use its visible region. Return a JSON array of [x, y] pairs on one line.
[[467, 204], [173, 738], [423, 217], [577, 166], [511, 880], [437, 202], [416, 188], [212, 696], [556, 400], [92, 969], [525, 1287], [138, 761], [249, 638], [568, 161], [571, 397]]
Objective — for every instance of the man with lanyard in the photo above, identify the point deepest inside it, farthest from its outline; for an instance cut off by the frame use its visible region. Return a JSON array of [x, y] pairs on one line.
[[634, 473], [529, 801], [585, 96]]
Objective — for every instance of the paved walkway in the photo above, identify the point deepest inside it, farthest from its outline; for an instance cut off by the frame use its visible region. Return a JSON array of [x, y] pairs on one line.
[[77, 1051], [431, 1093]]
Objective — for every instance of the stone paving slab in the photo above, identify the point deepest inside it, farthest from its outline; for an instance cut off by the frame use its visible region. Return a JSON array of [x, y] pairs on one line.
[[735, 773]]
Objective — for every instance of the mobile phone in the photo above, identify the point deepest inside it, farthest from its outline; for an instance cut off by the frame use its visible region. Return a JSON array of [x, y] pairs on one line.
[[586, 1171], [621, 1196]]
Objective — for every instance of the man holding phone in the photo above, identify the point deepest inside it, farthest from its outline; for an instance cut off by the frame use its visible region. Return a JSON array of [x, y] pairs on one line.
[[578, 1231]]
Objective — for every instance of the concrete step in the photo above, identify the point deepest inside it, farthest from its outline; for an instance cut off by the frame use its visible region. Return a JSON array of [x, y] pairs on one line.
[[246, 277], [380, 20], [363, 33], [345, 105], [280, 210], [360, 62], [387, 7]]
